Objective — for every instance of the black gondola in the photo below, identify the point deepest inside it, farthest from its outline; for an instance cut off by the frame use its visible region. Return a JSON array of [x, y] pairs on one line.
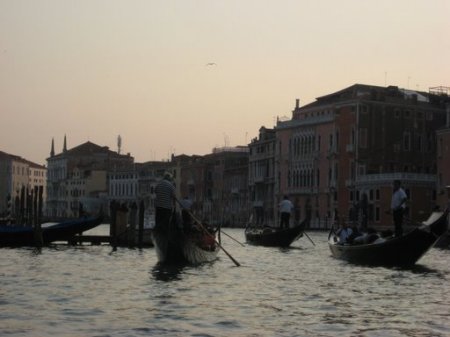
[[402, 251], [177, 247], [444, 241], [17, 236], [274, 237]]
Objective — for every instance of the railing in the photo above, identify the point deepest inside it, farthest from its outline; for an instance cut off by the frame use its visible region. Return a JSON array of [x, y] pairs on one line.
[[390, 177]]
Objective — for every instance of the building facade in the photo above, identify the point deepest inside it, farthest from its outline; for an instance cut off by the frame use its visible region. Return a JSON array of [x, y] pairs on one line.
[[443, 162], [18, 179], [77, 179], [331, 152], [261, 176]]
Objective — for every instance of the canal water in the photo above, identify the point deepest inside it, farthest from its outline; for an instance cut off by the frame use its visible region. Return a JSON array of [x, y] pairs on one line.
[[300, 291]]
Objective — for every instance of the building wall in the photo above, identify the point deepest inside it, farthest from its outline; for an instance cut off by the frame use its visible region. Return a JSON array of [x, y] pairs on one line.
[[17, 174], [369, 131], [443, 167], [81, 173]]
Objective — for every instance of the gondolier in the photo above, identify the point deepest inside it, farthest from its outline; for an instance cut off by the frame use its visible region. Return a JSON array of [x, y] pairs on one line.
[[164, 202], [398, 200], [286, 208]]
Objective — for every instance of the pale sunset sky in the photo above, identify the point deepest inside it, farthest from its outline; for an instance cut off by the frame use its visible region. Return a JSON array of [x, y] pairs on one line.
[[93, 70]]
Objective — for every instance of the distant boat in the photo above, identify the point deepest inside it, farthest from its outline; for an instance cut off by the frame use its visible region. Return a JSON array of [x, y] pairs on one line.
[[16, 236], [274, 237], [402, 251]]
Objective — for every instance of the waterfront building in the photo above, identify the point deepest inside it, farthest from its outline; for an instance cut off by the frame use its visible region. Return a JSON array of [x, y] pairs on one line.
[[349, 145], [77, 179], [124, 185], [16, 175], [148, 175], [261, 176], [227, 185], [191, 176], [216, 183], [443, 161]]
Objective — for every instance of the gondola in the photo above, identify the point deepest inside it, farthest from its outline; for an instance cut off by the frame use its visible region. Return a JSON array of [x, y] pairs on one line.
[[402, 251], [444, 241], [274, 237], [17, 236], [176, 246]]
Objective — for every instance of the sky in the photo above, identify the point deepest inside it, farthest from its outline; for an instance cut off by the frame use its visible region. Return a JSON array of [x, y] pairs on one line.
[[185, 76]]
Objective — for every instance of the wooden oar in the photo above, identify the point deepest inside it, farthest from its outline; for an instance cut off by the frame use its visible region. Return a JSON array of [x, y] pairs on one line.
[[309, 238], [207, 232], [232, 238]]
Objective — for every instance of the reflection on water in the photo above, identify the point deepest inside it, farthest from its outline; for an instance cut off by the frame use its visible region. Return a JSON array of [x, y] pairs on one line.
[[162, 272], [298, 291]]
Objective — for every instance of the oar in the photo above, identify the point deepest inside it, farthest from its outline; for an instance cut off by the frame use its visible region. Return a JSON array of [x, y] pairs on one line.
[[232, 238], [309, 238], [206, 231]]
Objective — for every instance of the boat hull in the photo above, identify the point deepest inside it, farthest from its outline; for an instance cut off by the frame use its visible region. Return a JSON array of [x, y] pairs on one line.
[[274, 237], [16, 236], [180, 248], [403, 251]]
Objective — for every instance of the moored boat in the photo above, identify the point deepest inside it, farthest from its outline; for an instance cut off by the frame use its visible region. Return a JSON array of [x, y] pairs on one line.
[[402, 251], [16, 236], [274, 237]]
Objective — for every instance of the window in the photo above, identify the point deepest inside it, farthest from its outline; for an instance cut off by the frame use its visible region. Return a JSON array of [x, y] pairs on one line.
[[363, 138], [406, 141]]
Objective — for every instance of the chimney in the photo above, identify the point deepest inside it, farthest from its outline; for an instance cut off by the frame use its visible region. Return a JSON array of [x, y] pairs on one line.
[[297, 107]]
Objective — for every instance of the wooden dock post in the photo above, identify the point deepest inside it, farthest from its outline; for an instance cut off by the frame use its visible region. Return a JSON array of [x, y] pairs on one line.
[[112, 227], [141, 224], [40, 203], [33, 205], [133, 223]]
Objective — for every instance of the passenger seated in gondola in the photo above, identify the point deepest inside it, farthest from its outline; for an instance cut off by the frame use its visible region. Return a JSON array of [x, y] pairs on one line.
[[355, 233], [384, 235], [370, 237], [343, 233]]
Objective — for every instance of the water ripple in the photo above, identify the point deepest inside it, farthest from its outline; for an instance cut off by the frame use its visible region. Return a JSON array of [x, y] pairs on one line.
[[301, 291]]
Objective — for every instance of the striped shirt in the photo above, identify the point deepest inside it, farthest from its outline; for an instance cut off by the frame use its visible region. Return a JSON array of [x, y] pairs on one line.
[[165, 192]]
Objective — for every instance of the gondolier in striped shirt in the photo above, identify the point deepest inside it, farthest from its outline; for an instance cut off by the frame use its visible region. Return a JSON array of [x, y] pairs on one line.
[[164, 202]]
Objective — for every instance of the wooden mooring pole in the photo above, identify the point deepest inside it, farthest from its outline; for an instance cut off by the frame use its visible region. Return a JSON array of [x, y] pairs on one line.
[[112, 227], [141, 224]]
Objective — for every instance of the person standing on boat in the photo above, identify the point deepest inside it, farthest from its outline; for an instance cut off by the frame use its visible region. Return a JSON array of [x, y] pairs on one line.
[[286, 208], [398, 200], [164, 202]]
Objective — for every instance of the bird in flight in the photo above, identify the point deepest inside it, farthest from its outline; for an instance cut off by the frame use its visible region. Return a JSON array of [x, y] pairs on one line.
[[211, 64]]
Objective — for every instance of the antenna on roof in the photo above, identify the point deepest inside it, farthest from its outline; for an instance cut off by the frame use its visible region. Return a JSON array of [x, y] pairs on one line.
[[119, 144]]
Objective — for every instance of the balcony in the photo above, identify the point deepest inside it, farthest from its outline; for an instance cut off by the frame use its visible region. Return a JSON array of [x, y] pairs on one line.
[[388, 178]]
